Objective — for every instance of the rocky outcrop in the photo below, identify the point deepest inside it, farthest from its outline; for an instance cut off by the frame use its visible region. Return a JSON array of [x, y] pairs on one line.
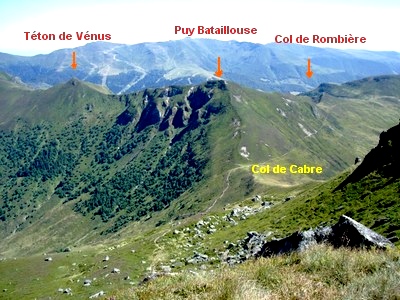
[[197, 258], [383, 159], [349, 233], [173, 90], [179, 119], [345, 233], [199, 97], [242, 213], [249, 247], [171, 110], [149, 116]]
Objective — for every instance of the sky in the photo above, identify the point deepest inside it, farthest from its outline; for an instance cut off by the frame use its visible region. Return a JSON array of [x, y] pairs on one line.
[[137, 21]]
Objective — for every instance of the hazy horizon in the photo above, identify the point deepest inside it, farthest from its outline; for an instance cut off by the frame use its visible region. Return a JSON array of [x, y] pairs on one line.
[[139, 21]]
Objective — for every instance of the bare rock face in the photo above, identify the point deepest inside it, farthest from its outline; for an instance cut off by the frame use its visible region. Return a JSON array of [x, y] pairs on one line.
[[350, 233], [297, 241], [253, 243], [150, 115]]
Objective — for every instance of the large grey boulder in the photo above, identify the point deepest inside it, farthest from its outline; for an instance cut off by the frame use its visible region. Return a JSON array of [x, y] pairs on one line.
[[253, 243], [197, 258], [350, 233], [297, 241], [249, 247], [345, 233]]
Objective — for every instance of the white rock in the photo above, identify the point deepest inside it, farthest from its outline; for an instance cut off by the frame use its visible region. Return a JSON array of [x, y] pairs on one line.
[[87, 282], [101, 293], [166, 269]]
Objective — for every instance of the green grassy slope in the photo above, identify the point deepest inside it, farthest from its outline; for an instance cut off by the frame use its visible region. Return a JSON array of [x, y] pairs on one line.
[[287, 129], [119, 145], [74, 154], [55, 105], [318, 273]]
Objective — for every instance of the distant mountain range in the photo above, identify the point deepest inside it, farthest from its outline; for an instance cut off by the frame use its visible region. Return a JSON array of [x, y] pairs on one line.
[[271, 67]]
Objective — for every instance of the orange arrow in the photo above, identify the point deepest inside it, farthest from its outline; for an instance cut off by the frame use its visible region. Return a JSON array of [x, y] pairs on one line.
[[74, 64], [219, 71], [309, 73]]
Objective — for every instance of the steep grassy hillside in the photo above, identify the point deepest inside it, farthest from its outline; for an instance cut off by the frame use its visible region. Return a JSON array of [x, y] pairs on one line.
[[370, 194], [57, 105], [287, 129], [319, 273]]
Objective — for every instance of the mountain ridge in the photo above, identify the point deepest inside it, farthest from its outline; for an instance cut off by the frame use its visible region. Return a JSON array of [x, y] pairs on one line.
[[384, 85], [270, 67], [37, 105]]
